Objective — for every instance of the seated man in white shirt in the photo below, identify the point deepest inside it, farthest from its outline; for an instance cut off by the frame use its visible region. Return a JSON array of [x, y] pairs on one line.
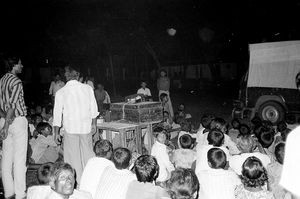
[[96, 166], [218, 182], [246, 145], [62, 180], [114, 181], [144, 90]]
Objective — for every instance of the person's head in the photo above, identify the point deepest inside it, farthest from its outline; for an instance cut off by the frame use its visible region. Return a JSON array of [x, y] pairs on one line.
[[281, 126], [100, 87], [256, 121], [121, 158], [143, 84], [181, 107], [161, 136], [44, 128], [146, 168], [62, 179], [71, 73], [246, 143], [14, 65], [38, 109], [219, 123], [216, 158], [186, 141], [44, 173], [206, 121], [104, 149], [163, 73], [183, 184], [57, 77], [253, 173], [266, 137], [164, 97], [279, 152], [235, 123], [36, 119], [186, 126], [215, 137], [244, 129]]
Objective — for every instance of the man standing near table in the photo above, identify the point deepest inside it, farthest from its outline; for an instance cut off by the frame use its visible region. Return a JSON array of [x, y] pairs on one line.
[[14, 132], [75, 109]]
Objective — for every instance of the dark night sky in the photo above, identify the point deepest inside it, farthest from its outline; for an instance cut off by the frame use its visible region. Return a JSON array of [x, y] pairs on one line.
[[89, 29]]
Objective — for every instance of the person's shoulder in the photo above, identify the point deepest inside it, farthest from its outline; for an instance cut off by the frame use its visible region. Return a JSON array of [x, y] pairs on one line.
[[80, 194], [38, 191]]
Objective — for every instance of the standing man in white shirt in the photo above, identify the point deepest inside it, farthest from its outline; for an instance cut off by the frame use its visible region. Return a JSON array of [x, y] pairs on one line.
[[76, 110]]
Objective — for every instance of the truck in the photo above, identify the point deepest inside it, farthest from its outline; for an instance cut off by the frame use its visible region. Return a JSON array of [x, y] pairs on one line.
[[270, 87]]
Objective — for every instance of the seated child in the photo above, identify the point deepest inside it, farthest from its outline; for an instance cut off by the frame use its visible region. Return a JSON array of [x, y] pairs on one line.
[[218, 182], [234, 131], [254, 178], [185, 156], [186, 129], [274, 172], [161, 153], [204, 128], [44, 148], [164, 99], [168, 122], [266, 138], [35, 119], [44, 172]]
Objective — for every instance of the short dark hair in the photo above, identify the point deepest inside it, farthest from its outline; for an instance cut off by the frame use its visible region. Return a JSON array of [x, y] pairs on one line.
[[279, 152], [182, 184], [121, 158], [103, 148], [159, 130], [186, 126], [266, 137], [42, 126], [162, 96], [11, 61], [235, 123], [146, 168], [186, 141], [44, 173], [35, 116], [74, 71], [215, 137], [244, 129], [253, 173], [216, 158], [206, 121]]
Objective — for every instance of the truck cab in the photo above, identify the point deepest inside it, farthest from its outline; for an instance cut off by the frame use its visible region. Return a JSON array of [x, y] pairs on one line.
[[270, 88]]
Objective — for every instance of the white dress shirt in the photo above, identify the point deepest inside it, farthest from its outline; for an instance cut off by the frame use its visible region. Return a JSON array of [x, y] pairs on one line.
[[92, 173], [217, 184], [159, 151], [236, 162], [290, 175], [145, 91], [75, 106]]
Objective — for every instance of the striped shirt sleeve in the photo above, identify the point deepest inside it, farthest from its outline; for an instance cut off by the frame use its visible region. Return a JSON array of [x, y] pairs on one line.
[[16, 90]]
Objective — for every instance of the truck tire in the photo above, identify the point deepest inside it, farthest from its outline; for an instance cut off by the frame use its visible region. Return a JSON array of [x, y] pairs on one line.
[[271, 111]]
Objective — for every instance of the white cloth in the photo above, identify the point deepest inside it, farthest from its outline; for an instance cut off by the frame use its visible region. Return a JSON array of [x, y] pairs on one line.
[[290, 175], [236, 162], [114, 183], [45, 192], [217, 184], [145, 91], [159, 151], [107, 98], [14, 158], [77, 104], [40, 145], [92, 174], [55, 86], [201, 161]]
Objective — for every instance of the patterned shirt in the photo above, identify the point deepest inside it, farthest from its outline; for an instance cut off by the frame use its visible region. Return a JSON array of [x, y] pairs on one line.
[[12, 95]]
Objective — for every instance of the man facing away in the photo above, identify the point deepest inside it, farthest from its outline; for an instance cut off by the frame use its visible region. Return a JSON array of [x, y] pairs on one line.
[[14, 132], [75, 106]]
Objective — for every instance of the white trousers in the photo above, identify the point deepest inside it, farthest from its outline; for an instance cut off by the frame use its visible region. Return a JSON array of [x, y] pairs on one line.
[[14, 158], [78, 149], [169, 101]]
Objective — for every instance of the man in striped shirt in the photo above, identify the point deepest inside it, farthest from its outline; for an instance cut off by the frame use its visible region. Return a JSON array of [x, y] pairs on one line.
[[75, 109], [14, 132]]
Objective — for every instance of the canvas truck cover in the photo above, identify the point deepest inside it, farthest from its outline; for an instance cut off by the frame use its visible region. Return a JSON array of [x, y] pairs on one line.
[[274, 65]]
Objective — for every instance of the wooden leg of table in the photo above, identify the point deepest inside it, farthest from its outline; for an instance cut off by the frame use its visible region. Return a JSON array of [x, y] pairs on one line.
[[123, 138]]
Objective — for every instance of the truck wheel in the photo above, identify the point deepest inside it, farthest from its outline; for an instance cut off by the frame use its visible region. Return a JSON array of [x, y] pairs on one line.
[[271, 111]]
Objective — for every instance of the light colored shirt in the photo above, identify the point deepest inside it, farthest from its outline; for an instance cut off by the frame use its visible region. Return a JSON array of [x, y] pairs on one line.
[[140, 190], [236, 162], [163, 83], [217, 184], [202, 162], [184, 158], [159, 151], [92, 173], [55, 86], [145, 91], [45, 192], [76, 106], [290, 170], [241, 193], [40, 145], [114, 183]]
